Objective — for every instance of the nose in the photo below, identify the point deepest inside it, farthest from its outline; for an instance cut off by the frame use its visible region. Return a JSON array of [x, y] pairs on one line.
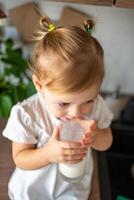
[[74, 112]]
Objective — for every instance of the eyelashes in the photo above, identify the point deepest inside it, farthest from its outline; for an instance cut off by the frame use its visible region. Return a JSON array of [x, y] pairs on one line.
[[64, 104], [91, 101]]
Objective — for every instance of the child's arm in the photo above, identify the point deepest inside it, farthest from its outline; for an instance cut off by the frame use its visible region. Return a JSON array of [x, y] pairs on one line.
[[28, 157], [102, 140], [99, 139]]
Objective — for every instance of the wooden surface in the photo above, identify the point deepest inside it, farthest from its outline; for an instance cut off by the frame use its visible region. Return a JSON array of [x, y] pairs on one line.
[[7, 166], [92, 2], [117, 3], [6, 163], [125, 3]]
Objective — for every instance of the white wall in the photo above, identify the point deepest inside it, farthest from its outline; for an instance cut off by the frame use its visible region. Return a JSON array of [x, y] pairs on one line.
[[115, 31]]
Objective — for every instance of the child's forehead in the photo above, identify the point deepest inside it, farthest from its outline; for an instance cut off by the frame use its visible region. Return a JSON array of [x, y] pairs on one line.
[[77, 97]]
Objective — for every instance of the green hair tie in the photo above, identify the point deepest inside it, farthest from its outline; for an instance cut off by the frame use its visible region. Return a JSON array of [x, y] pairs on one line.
[[89, 26], [89, 30]]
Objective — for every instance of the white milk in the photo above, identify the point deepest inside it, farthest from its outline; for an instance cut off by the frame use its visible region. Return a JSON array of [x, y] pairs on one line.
[[72, 170], [71, 131]]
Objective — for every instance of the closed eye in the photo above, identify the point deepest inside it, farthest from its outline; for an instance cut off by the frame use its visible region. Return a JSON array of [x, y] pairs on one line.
[[63, 104], [91, 101]]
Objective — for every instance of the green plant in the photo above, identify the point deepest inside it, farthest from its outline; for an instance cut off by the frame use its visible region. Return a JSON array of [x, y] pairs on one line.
[[15, 83]]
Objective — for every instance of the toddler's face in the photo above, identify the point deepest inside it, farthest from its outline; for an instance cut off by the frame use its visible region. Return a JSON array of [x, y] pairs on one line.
[[71, 106]]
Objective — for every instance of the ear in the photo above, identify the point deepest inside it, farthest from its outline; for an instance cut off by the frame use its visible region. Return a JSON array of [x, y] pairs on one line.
[[37, 83]]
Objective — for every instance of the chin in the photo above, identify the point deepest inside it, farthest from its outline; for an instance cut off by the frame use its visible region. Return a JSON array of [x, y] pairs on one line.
[[63, 119]]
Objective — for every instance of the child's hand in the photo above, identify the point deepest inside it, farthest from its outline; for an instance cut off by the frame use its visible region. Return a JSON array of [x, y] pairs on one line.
[[64, 152], [89, 136]]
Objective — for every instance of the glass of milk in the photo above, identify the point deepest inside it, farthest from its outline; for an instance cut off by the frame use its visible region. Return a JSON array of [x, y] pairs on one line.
[[72, 131]]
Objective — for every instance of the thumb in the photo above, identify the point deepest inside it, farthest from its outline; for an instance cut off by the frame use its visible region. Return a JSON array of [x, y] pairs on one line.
[[92, 125], [56, 133]]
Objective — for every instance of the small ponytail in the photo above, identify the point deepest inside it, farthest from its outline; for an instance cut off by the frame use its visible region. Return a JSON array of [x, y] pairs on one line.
[[89, 25], [45, 26]]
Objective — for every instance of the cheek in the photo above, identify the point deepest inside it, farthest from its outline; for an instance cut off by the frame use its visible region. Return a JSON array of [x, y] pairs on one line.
[[87, 108], [58, 112]]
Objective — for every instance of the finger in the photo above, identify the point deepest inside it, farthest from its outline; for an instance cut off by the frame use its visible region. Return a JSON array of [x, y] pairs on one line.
[[65, 144], [86, 135], [89, 134], [74, 158], [56, 133], [92, 125], [86, 143], [75, 151]]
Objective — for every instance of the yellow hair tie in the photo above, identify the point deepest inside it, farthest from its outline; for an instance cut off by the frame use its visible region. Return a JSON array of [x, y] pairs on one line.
[[51, 27]]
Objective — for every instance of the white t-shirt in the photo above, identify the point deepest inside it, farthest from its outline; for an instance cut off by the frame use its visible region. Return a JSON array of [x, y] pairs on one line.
[[30, 122]]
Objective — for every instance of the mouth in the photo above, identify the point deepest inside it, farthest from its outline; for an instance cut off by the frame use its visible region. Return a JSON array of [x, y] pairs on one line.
[[64, 119]]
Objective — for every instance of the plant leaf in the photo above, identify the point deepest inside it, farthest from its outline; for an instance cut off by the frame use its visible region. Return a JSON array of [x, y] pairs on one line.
[[5, 105], [30, 89]]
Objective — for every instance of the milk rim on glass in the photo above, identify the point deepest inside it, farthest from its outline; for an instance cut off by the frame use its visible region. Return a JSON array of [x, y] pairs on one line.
[[72, 131]]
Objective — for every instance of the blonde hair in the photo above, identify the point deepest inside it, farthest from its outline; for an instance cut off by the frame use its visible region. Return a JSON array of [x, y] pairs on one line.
[[81, 52]]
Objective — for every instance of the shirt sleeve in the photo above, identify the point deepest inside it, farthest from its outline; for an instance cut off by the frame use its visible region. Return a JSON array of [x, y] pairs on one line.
[[102, 114], [19, 127]]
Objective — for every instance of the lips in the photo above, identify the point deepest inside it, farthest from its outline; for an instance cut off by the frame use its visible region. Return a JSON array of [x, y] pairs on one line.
[[71, 118], [65, 119]]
